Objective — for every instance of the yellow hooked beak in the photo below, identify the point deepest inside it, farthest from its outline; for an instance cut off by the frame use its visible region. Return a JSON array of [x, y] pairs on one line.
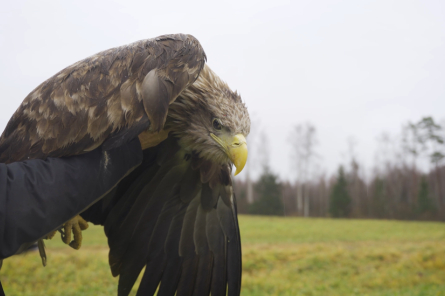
[[236, 149]]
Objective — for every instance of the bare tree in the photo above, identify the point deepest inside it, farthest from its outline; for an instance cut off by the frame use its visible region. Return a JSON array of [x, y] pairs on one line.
[[251, 161], [264, 152], [354, 181], [413, 145], [303, 140]]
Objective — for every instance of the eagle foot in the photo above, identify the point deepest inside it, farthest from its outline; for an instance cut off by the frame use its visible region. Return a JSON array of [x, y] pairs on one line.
[[75, 225]]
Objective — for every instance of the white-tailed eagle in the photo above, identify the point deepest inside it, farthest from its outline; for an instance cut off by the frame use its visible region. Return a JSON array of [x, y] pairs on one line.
[[176, 214]]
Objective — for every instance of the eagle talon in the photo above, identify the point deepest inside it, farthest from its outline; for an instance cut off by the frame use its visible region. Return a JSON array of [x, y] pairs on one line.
[[51, 234], [75, 225], [62, 233]]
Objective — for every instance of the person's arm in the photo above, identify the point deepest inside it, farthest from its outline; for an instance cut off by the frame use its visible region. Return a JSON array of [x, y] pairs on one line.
[[38, 196]]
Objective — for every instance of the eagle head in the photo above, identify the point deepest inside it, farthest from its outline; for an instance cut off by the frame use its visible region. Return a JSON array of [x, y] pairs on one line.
[[210, 120]]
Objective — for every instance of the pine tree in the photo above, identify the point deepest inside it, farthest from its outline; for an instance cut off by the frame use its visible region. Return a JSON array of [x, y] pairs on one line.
[[424, 203], [269, 195], [340, 202]]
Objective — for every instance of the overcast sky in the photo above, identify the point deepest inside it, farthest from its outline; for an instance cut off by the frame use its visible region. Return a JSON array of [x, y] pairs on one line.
[[352, 68]]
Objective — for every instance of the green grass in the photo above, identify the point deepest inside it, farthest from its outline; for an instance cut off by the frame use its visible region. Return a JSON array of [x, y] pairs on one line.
[[281, 256]]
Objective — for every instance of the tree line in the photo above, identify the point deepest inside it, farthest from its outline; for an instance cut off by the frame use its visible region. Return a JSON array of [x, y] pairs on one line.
[[396, 189]]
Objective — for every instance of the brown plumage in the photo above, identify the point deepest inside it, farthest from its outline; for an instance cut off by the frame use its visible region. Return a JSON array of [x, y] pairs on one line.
[[117, 91], [176, 213]]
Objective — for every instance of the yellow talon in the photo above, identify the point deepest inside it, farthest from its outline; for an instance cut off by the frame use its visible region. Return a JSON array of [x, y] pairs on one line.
[[51, 234], [75, 225]]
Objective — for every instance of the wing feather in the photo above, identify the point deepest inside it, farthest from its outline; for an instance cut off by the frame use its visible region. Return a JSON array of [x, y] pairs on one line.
[[188, 245], [172, 272], [103, 97], [217, 243]]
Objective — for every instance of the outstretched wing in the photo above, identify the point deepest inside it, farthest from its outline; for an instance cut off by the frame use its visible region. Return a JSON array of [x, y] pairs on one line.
[[111, 96], [176, 216]]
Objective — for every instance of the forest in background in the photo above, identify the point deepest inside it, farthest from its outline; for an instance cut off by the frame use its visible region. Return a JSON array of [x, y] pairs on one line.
[[396, 188]]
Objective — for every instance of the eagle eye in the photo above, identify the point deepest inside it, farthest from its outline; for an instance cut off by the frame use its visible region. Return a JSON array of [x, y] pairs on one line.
[[217, 124]]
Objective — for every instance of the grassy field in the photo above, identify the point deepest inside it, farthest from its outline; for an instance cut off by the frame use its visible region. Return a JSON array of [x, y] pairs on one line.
[[281, 256]]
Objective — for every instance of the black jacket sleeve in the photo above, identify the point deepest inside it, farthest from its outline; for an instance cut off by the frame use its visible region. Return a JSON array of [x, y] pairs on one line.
[[38, 196]]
